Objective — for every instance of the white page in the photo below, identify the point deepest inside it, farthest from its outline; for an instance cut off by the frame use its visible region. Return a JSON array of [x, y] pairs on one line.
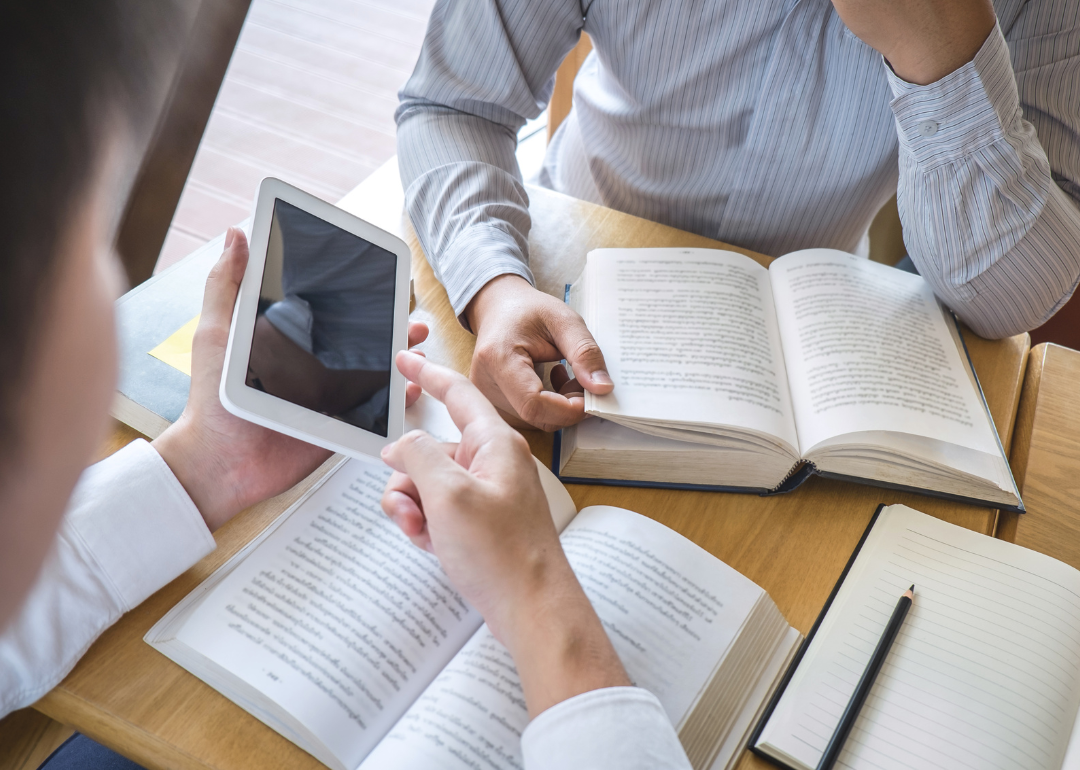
[[985, 672], [867, 349], [689, 335], [338, 618], [670, 609]]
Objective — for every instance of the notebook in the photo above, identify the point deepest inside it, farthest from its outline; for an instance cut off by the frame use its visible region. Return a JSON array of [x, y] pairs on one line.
[[985, 672], [736, 377]]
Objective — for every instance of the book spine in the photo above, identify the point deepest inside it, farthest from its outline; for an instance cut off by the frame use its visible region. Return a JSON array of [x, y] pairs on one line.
[[799, 473]]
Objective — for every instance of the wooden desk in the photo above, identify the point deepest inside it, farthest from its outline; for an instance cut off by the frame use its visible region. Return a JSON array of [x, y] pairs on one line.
[[131, 698], [1046, 456]]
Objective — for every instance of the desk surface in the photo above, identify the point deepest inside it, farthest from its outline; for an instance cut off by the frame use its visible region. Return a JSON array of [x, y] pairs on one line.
[[133, 699], [1046, 456]]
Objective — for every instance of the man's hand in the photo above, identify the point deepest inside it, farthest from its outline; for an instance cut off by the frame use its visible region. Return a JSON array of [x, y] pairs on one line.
[[479, 507], [226, 463], [923, 40], [517, 327]]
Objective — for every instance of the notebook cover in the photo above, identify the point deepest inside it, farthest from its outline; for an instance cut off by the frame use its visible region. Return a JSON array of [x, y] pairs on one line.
[[755, 736]]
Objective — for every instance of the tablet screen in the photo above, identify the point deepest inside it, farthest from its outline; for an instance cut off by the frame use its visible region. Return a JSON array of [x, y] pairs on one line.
[[323, 331]]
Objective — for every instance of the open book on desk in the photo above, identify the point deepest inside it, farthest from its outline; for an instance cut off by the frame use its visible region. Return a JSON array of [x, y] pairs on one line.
[[736, 377], [985, 672], [337, 632]]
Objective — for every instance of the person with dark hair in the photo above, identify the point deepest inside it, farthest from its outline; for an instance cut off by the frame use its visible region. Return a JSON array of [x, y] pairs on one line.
[[80, 82]]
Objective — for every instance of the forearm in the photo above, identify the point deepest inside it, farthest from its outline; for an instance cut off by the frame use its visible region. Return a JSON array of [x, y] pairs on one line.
[[480, 507], [584, 711], [984, 219], [923, 40], [559, 646], [485, 68], [465, 197]]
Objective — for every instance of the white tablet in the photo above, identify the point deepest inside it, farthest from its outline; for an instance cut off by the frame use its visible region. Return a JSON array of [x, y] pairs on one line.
[[322, 311]]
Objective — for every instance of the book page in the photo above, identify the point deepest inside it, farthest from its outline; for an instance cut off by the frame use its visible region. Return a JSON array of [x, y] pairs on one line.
[[690, 336], [336, 616], [867, 349], [985, 672], [671, 610], [361, 609]]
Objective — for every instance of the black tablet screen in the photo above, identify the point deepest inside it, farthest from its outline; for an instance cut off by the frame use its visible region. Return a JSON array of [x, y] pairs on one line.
[[323, 333]]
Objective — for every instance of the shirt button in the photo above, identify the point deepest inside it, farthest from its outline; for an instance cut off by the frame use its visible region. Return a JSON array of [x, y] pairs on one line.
[[928, 128]]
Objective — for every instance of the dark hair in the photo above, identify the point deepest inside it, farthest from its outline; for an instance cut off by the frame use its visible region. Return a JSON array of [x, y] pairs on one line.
[[69, 71]]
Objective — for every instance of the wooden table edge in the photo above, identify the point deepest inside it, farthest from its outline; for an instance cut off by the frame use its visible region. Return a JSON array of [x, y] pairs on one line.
[[1020, 447]]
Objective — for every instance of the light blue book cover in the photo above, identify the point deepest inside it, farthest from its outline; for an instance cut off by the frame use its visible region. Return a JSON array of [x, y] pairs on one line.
[[151, 393]]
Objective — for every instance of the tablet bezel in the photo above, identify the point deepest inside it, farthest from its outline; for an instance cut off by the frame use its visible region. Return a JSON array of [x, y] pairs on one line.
[[275, 413]]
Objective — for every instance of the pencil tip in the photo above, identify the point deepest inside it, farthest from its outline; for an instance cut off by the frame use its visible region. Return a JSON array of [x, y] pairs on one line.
[[912, 589]]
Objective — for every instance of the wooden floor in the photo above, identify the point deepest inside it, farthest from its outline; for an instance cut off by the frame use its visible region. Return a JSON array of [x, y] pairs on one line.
[[309, 98]]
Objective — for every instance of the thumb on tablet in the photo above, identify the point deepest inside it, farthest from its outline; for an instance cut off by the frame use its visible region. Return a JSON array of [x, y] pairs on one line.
[[223, 283]]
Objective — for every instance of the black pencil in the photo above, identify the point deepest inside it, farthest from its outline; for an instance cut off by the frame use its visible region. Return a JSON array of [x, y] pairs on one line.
[[854, 706]]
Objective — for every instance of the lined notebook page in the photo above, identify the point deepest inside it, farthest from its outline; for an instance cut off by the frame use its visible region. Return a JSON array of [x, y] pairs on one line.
[[985, 672]]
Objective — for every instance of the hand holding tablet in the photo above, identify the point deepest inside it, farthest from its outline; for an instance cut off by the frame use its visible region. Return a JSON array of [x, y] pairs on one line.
[[322, 311]]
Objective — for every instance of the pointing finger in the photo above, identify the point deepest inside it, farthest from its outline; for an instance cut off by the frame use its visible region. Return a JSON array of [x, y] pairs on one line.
[[463, 401]]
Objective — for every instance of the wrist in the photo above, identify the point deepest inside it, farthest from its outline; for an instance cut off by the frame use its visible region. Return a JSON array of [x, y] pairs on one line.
[[558, 643], [922, 60], [491, 294], [180, 451]]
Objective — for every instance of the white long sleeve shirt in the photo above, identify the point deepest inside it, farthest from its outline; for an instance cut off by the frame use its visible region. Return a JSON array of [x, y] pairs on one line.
[[131, 528], [762, 123]]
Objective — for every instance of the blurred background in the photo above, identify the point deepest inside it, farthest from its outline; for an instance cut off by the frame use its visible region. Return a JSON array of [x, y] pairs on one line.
[[302, 90], [308, 97]]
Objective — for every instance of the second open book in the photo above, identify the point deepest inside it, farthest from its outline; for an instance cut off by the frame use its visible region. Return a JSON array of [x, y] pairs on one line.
[[734, 376], [337, 632]]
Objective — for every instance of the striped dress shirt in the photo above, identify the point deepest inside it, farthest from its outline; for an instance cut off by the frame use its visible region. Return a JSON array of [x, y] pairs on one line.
[[762, 123]]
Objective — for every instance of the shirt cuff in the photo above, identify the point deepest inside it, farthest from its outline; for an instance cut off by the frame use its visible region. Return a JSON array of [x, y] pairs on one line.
[[624, 727], [964, 111], [478, 255], [138, 523]]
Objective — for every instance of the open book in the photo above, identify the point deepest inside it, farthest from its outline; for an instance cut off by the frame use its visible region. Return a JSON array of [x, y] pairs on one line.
[[334, 630], [732, 376], [985, 671]]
